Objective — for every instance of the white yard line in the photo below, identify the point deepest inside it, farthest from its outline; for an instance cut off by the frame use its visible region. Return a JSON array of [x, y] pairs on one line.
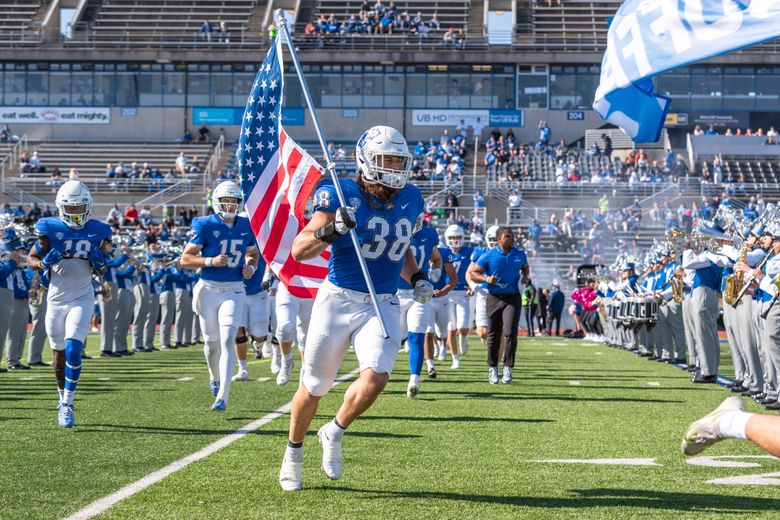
[[99, 506]]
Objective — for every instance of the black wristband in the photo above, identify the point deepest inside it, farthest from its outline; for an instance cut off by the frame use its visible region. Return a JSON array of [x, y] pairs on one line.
[[327, 233], [416, 277]]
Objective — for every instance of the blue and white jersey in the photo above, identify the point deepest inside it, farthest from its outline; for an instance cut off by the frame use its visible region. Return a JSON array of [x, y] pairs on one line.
[[166, 282], [384, 232], [460, 261], [476, 253], [254, 284], [506, 266], [124, 277], [71, 278], [20, 284], [447, 257], [217, 238], [6, 270], [423, 243]]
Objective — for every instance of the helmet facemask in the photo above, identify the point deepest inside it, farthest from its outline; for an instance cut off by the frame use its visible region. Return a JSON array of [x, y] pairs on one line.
[[74, 215], [388, 169], [228, 207]]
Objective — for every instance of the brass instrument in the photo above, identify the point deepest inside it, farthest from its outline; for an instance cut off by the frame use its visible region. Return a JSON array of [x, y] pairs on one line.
[[776, 283], [735, 281], [38, 290], [748, 281]]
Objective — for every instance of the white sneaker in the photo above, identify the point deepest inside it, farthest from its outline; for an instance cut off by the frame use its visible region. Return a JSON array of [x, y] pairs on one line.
[[276, 364], [442, 354], [507, 379], [412, 390], [464, 349], [705, 431], [406, 347], [331, 454], [267, 349], [290, 475], [284, 374], [455, 363], [94, 329], [242, 375], [493, 375]]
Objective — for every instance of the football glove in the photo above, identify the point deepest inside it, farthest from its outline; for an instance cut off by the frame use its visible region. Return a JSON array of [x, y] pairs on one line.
[[434, 275], [51, 258], [423, 289], [332, 231], [268, 280]]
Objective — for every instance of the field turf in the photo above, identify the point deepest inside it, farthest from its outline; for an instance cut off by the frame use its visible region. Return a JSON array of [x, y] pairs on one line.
[[462, 449]]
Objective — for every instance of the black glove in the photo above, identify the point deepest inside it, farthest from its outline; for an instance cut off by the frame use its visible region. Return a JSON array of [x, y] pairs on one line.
[[332, 231]]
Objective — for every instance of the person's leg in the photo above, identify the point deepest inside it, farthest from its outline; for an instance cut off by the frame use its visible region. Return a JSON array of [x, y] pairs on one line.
[[730, 318], [762, 429], [495, 309], [228, 319], [511, 320], [746, 336], [140, 315], [107, 317], [151, 321], [37, 334]]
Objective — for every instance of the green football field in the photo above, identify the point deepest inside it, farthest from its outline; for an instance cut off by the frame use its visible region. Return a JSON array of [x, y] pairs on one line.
[[462, 449]]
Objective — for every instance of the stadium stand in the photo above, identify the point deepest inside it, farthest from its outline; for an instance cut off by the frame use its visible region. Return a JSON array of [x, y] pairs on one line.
[[91, 159], [173, 22], [20, 21]]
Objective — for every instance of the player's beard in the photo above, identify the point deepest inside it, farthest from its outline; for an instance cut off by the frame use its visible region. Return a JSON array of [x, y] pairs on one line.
[[380, 193]]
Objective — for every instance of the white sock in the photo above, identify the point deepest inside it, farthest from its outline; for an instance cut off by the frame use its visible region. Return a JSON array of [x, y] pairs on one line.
[[68, 396], [211, 351], [463, 342], [294, 454], [257, 345], [456, 358], [732, 424], [244, 365], [414, 379], [276, 351], [334, 431], [429, 363], [227, 363], [482, 340], [61, 393]]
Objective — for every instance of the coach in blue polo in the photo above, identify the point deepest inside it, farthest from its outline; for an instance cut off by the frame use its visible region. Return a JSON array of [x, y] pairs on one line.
[[500, 270]]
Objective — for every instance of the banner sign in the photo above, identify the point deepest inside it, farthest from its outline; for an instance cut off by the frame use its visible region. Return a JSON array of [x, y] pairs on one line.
[[433, 117], [233, 116], [56, 115], [647, 38], [506, 118]]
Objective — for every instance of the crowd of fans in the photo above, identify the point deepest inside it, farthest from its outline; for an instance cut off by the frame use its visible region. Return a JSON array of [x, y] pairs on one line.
[[208, 33], [771, 134], [440, 160], [383, 18]]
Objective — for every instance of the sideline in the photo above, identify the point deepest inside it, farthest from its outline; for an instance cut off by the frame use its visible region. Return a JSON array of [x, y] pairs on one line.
[[101, 505]]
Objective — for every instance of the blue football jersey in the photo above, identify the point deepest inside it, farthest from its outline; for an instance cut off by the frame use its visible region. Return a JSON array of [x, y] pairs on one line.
[[446, 258], [460, 261], [73, 243], [254, 284], [216, 237], [384, 233], [422, 246], [476, 254]]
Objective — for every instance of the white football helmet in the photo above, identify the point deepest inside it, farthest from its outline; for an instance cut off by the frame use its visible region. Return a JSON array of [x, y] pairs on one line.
[[491, 236], [383, 157], [453, 237], [227, 190], [74, 203]]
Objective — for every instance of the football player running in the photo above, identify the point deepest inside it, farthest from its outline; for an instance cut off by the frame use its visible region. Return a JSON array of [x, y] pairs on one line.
[[254, 318], [384, 210], [293, 315], [460, 256], [481, 315], [440, 306], [70, 247], [223, 247]]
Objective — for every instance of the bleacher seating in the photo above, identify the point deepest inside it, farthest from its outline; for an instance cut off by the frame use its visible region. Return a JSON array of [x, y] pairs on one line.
[[575, 24], [16, 19], [172, 20], [449, 13], [753, 170], [90, 160]]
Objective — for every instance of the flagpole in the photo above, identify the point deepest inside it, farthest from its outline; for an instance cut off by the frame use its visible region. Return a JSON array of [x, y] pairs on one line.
[[284, 31]]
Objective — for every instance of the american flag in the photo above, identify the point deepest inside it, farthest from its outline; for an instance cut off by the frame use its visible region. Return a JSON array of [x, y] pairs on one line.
[[277, 178]]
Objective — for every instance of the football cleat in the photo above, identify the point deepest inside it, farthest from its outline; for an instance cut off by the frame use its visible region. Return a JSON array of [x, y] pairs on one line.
[[455, 364], [412, 390], [266, 349], [242, 375], [284, 373], [219, 406], [464, 349], [442, 354], [276, 364], [65, 417], [331, 454], [432, 372], [705, 431], [214, 387], [290, 475], [507, 379], [493, 375]]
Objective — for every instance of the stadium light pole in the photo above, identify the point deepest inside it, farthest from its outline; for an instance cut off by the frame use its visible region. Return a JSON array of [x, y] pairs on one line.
[[330, 165]]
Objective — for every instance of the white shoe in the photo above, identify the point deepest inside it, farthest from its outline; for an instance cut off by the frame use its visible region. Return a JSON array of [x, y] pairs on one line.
[[412, 390], [242, 375], [465, 349], [493, 375], [267, 349], [276, 364], [406, 347], [455, 364], [94, 329], [284, 374], [290, 475], [331, 455], [507, 379], [705, 431], [443, 354]]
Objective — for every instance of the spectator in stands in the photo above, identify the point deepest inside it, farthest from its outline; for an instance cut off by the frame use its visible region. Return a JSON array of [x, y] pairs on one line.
[[698, 130], [545, 132], [272, 31], [607, 140], [204, 134], [711, 130], [515, 199], [6, 135], [680, 169], [479, 199], [224, 34], [131, 215], [55, 180], [669, 158], [206, 30], [182, 164], [73, 174], [535, 233], [114, 215], [145, 216]]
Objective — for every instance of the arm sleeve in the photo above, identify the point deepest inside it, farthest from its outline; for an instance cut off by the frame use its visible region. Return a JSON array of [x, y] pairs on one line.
[[773, 267], [119, 260], [197, 237], [767, 286], [693, 261], [755, 256], [484, 262], [156, 277]]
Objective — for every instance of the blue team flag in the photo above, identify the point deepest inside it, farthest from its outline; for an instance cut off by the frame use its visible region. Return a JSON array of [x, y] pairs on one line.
[[647, 38]]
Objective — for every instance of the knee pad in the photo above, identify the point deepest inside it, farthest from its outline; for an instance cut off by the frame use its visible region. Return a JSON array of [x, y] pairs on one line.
[[240, 340]]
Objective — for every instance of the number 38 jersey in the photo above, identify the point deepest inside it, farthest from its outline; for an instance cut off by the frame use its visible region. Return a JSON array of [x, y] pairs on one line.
[[71, 277], [384, 234], [217, 238]]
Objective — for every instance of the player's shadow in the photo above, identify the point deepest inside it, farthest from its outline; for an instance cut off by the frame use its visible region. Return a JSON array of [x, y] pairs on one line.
[[160, 430], [532, 397], [453, 419], [592, 498]]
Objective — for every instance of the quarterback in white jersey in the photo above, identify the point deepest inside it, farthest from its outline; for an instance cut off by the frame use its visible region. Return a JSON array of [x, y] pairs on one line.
[[70, 247], [223, 248]]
